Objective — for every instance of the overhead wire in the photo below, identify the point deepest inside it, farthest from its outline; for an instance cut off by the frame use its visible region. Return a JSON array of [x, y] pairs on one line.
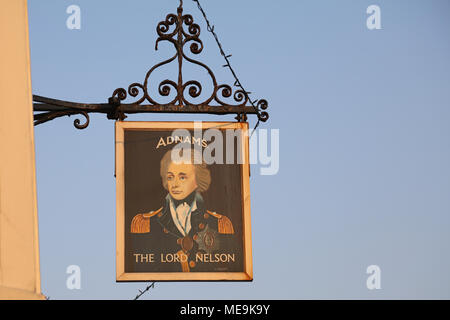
[[237, 82]]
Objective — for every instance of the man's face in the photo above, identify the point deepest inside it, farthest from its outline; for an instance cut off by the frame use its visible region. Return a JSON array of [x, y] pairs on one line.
[[181, 180]]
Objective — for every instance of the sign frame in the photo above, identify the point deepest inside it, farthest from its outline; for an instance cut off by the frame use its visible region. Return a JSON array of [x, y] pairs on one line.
[[121, 275]]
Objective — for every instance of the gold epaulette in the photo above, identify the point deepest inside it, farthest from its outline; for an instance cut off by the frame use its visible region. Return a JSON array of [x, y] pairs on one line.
[[141, 221], [224, 224]]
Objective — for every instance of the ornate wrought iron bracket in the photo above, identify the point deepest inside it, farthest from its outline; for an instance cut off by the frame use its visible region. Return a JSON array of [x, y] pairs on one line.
[[180, 30]]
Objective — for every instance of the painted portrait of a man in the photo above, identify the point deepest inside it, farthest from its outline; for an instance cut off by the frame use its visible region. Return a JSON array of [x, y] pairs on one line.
[[188, 232]]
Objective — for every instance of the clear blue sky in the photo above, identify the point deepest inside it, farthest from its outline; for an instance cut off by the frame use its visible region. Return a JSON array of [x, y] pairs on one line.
[[364, 143]]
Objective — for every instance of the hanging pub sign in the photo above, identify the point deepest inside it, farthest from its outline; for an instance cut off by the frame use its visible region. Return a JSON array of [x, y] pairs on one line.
[[183, 201]]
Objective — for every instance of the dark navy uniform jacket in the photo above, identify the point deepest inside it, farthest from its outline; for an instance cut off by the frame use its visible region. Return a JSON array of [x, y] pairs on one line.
[[210, 245]]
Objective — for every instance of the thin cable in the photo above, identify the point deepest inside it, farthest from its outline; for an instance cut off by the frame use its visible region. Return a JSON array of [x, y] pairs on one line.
[[237, 82], [141, 292]]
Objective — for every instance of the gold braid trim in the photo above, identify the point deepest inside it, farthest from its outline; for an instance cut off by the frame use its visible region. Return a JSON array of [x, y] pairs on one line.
[[224, 224], [185, 264], [141, 221]]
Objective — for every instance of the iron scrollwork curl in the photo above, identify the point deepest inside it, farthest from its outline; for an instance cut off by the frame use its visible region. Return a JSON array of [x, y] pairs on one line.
[[263, 105], [47, 116], [181, 31], [77, 122]]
